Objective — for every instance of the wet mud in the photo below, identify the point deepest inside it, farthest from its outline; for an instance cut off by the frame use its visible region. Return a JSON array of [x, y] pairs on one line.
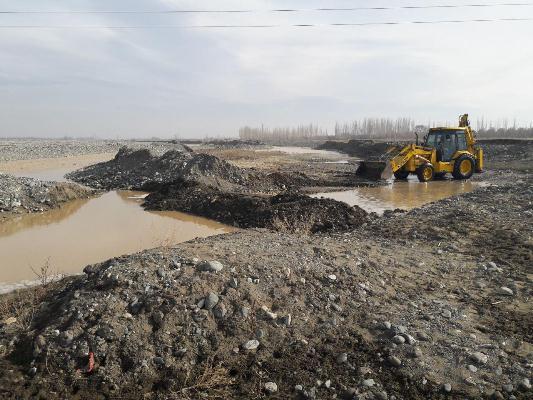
[[285, 212], [362, 149]]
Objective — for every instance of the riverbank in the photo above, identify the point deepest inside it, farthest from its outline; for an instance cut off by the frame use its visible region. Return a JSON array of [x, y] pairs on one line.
[[388, 309], [19, 196], [434, 303]]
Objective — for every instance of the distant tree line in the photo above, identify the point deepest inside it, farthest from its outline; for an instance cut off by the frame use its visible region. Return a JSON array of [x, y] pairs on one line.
[[404, 128], [377, 128], [502, 128], [287, 134]]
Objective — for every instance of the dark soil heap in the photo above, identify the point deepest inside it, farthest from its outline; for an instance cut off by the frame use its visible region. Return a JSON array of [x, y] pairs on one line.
[[146, 170], [508, 154], [285, 212], [363, 149], [26, 195], [235, 144]]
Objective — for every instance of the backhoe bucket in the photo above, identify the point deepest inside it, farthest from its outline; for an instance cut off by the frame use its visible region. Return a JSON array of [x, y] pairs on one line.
[[374, 170]]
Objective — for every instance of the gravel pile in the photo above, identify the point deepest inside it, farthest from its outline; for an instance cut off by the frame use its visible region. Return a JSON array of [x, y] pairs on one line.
[[143, 169], [29, 149], [167, 325], [285, 212], [506, 154], [27, 195]]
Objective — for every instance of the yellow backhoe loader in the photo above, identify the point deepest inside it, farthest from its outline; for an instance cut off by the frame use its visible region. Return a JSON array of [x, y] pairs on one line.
[[444, 150]]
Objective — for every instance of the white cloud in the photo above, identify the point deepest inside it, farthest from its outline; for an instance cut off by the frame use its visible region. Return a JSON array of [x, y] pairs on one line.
[[156, 81]]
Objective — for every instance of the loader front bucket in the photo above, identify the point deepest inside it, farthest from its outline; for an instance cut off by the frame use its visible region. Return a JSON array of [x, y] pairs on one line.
[[374, 170]]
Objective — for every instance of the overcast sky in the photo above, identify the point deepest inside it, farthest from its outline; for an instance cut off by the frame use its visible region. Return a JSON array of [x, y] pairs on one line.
[[196, 82]]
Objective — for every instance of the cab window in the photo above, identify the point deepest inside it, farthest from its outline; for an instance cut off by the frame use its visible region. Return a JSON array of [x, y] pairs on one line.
[[461, 141]]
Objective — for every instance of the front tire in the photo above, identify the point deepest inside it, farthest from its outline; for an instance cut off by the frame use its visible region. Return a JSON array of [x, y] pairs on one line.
[[425, 173], [464, 167]]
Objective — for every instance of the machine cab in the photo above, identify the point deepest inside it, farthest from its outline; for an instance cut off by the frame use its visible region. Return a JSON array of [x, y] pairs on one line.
[[446, 142]]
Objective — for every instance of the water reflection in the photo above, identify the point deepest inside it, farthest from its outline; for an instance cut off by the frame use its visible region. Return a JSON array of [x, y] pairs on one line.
[[401, 194], [87, 231]]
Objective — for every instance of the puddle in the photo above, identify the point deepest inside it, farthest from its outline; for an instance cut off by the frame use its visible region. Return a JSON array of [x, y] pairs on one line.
[[303, 150], [53, 174], [401, 194], [337, 162], [52, 169], [84, 232]]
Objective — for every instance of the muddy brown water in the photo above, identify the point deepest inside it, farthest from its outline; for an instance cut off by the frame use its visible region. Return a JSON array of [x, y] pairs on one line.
[[83, 232], [405, 195], [87, 231], [52, 169]]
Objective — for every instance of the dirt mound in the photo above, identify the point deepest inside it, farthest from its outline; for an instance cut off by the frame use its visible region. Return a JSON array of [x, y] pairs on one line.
[[26, 195], [504, 141], [209, 169], [142, 169], [145, 170], [156, 325], [508, 154], [363, 149], [274, 182], [286, 212]]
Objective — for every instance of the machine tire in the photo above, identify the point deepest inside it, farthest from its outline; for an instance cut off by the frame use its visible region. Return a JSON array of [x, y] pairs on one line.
[[401, 175], [464, 167], [425, 173]]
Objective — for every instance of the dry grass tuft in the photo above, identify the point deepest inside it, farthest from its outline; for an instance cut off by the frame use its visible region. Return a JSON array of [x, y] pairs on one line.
[[214, 381], [22, 304]]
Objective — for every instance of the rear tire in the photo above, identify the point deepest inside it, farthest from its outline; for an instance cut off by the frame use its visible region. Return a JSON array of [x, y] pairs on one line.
[[464, 167], [425, 173], [401, 175]]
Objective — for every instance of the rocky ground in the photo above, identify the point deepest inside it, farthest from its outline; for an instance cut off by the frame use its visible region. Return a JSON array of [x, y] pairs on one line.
[[388, 310], [29, 149], [234, 144], [434, 303], [509, 154], [25, 195]]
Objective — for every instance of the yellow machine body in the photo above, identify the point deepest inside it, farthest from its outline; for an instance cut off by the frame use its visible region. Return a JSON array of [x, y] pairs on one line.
[[445, 150]]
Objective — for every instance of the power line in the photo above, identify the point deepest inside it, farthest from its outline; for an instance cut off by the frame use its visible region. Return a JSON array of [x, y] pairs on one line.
[[262, 26], [279, 10]]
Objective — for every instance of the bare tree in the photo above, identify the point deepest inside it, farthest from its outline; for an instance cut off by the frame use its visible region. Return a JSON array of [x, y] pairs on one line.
[[286, 134]]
